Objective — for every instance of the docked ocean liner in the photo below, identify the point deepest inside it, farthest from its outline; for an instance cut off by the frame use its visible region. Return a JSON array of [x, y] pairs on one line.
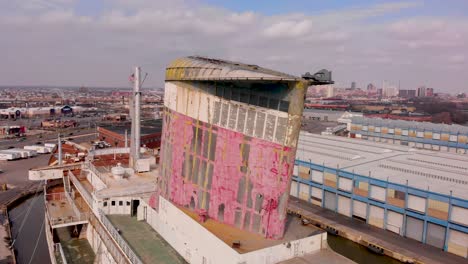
[[220, 191]]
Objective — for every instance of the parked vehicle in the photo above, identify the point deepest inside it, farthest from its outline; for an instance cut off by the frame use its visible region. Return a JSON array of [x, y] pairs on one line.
[[5, 155]]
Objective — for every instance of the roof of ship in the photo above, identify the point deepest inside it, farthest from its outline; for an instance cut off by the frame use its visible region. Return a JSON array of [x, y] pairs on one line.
[[194, 68]]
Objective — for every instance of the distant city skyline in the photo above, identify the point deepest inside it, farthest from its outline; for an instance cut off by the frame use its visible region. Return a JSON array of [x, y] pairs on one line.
[[96, 43]]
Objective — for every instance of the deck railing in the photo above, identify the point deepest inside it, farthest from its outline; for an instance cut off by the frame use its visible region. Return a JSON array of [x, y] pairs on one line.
[[58, 248], [84, 193], [90, 166], [111, 244], [119, 239], [63, 197]]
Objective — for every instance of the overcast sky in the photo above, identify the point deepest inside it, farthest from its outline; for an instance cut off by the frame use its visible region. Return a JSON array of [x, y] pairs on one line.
[[97, 42]]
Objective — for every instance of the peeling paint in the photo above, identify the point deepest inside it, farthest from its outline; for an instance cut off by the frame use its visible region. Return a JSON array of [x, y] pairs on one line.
[[267, 168], [229, 142]]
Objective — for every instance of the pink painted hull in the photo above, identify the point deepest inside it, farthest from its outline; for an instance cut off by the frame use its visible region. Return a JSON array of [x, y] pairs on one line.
[[239, 180]]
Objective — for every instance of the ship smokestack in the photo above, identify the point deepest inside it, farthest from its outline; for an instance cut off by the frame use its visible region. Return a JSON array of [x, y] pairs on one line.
[[136, 135], [59, 146]]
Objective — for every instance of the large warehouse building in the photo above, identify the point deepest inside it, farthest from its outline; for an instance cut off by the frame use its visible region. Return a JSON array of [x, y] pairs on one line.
[[423, 135], [115, 134], [418, 194]]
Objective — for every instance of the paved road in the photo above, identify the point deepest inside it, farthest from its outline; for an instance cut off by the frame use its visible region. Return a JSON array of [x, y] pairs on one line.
[[408, 247], [15, 173], [50, 137]]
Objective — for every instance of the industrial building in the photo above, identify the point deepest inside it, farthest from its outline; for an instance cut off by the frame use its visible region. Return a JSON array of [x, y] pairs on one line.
[[422, 135], [30, 112], [12, 131], [115, 134], [418, 194]]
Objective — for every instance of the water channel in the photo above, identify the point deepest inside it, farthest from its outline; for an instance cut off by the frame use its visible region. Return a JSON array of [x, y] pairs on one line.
[[28, 230]]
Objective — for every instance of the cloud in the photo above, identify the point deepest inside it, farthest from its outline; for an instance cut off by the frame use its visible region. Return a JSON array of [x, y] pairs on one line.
[[53, 44]]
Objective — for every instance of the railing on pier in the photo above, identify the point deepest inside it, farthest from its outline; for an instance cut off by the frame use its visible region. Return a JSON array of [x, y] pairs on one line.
[[118, 238], [84, 193], [58, 248]]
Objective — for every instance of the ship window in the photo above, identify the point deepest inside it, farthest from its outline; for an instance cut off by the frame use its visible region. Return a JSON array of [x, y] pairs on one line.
[[113, 203], [263, 101], [273, 104], [284, 106], [244, 98], [120, 203], [235, 95], [128, 203], [105, 204]]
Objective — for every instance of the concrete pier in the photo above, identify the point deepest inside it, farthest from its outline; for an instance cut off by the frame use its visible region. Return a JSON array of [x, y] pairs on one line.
[[395, 246]]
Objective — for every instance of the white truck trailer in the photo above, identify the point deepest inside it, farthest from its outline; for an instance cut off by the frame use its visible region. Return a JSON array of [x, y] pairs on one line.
[[38, 148], [6, 155], [26, 153]]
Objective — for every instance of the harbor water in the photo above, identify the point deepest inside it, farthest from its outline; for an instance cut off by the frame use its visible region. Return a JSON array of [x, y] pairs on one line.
[[27, 229], [357, 252]]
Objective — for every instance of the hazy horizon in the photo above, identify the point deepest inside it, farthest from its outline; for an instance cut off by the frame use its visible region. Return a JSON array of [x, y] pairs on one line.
[[97, 43]]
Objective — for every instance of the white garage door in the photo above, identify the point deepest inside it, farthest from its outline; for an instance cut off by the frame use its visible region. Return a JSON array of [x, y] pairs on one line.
[[417, 203], [359, 209], [345, 184], [317, 176], [460, 215], [376, 216], [304, 192], [458, 243], [377, 193], [395, 222], [344, 205], [293, 189]]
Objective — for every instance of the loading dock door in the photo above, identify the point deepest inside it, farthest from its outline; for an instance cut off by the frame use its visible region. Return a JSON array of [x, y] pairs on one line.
[[395, 222], [330, 200], [294, 187], [414, 228], [360, 210], [435, 235], [344, 205]]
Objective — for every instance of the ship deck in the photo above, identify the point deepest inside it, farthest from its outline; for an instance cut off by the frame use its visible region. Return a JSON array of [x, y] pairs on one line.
[[76, 250], [145, 241], [250, 241]]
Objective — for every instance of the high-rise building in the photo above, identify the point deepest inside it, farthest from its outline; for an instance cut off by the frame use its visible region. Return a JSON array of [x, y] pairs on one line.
[[229, 141], [407, 93], [430, 92], [330, 90], [421, 91], [371, 87], [353, 86]]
